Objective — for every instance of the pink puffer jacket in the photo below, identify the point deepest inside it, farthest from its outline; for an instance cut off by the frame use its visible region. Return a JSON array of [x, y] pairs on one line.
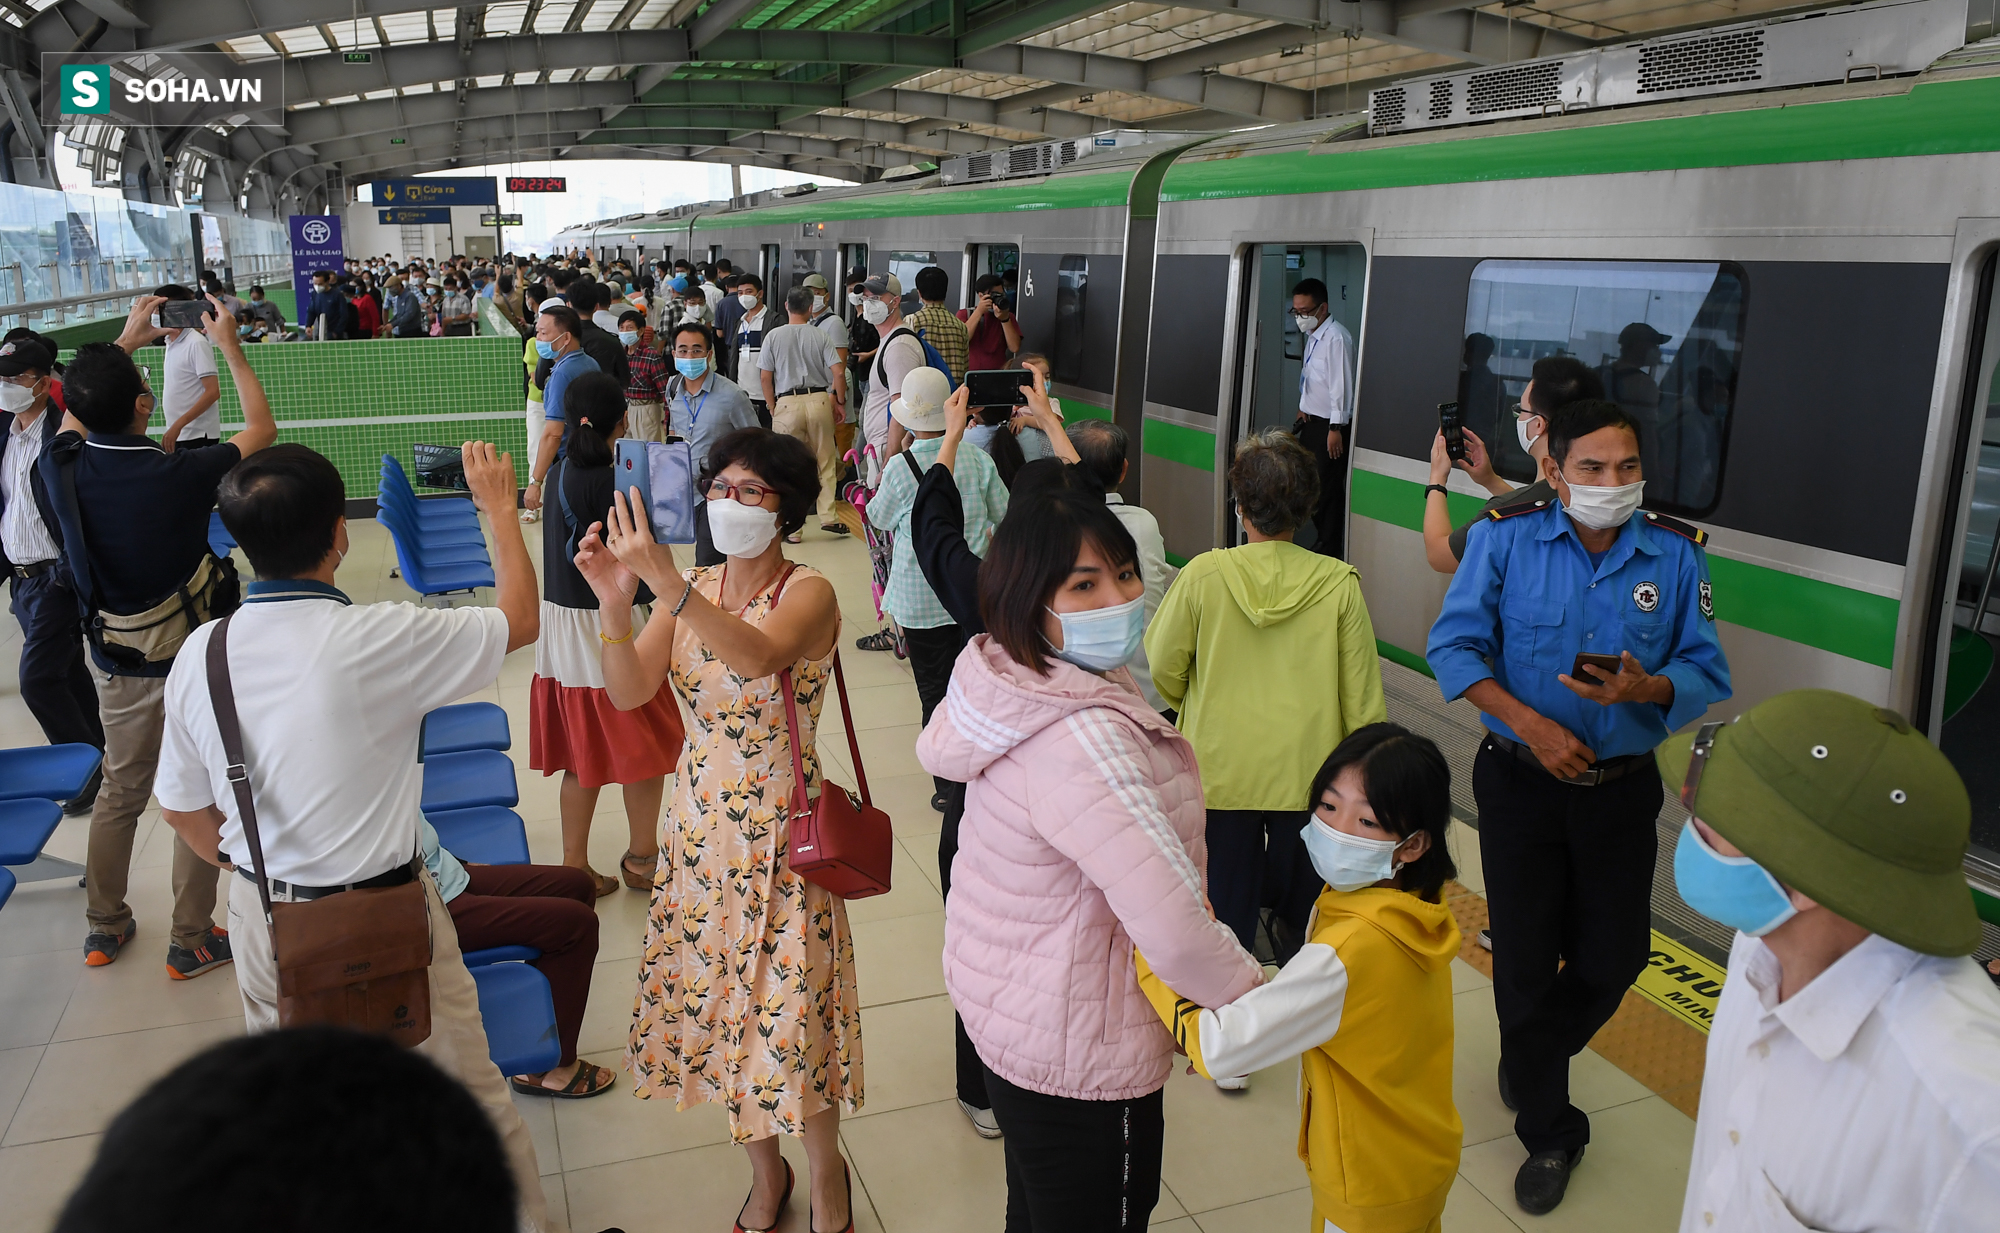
[[1083, 837]]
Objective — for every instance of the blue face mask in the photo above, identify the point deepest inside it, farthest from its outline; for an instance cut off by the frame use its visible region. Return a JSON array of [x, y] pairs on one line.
[[690, 368], [545, 348], [1100, 639], [628, 337], [1349, 862], [1730, 890]]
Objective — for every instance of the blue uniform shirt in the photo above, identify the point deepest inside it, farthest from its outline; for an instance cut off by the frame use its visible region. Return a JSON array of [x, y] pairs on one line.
[[1527, 599]]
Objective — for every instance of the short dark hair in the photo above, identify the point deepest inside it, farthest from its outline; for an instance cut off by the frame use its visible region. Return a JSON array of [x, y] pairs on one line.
[[282, 505], [102, 386], [1408, 783], [566, 319], [1579, 419], [986, 282], [256, 288], [562, 276], [785, 464], [1311, 287], [858, 274], [1032, 553], [325, 1126], [174, 291], [594, 406], [1102, 449], [1275, 480], [631, 314], [932, 283], [695, 327], [1563, 379], [724, 264], [751, 281], [799, 300], [727, 281]]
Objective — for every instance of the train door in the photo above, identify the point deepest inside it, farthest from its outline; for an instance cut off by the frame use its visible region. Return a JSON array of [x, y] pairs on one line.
[[1273, 348], [1964, 706], [852, 257], [984, 259], [767, 266]]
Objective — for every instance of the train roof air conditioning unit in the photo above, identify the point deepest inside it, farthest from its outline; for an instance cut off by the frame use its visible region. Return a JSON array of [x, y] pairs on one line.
[[1042, 157], [1860, 43]]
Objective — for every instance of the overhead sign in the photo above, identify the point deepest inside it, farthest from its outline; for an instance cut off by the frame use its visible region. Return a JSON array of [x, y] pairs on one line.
[[315, 246], [199, 88], [499, 220], [358, 57], [399, 141], [537, 184], [415, 217], [443, 191]]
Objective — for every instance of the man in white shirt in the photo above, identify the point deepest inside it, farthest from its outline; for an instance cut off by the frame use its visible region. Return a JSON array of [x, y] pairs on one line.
[[804, 382], [331, 698], [899, 356], [1325, 424], [1853, 1070], [1104, 452], [191, 390]]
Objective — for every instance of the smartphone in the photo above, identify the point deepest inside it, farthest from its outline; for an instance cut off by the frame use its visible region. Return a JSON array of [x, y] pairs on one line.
[[1452, 421], [1608, 664], [998, 387], [185, 314]]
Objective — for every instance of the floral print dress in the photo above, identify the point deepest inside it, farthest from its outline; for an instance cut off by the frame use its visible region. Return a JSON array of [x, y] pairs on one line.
[[747, 993]]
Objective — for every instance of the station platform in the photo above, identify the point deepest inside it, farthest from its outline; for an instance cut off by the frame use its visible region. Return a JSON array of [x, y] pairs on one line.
[[76, 1044]]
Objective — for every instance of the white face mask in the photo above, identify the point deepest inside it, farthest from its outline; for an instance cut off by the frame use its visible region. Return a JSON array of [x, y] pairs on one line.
[[819, 302], [1601, 509], [874, 312], [1306, 324], [15, 397], [1349, 862], [749, 302], [740, 530], [854, 298], [1521, 433]]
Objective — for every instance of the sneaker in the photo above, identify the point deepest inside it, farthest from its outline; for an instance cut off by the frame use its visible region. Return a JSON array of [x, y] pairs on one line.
[[880, 640], [101, 949], [1543, 1179], [185, 964], [1485, 940], [1239, 1083], [983, 1121], [80, 804]]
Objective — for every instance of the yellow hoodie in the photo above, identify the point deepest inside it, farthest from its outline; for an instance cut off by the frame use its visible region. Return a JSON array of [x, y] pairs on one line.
[[1366, 1006]]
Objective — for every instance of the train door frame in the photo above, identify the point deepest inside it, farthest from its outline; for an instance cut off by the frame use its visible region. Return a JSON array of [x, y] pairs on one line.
[[853, 253], [968, 265]]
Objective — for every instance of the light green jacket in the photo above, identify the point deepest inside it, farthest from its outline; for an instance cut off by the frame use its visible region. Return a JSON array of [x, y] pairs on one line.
[[1267, 652]]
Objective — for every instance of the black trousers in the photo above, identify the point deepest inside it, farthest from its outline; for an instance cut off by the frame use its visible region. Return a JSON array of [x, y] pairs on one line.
[[1569, 887], [971, 1071], [932, 653], [1330, 518], [55, 681], [1256, 860], [1079, 1166], [704, 543]]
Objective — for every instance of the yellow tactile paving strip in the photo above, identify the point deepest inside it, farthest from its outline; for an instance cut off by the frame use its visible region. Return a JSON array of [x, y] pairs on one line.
[[1655, 1047]]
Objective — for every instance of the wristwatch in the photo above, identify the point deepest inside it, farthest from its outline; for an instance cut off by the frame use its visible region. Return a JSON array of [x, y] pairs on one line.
[[1431, 488]]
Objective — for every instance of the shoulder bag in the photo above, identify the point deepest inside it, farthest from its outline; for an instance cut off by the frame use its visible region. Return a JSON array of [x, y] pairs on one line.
[[357, 959], [843, 846]]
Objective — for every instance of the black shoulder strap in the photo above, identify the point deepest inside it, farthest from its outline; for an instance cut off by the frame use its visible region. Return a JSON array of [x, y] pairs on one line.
[[569, 515], [1684, 530], [882, 352], [916, 472], [222, 697]]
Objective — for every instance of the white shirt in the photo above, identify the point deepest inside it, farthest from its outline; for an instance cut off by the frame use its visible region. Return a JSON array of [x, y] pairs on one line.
[[605, 320], [711, 293], [1326, 376], [1154, 572], [22, 535], [331, 699], [190, 357], [1869, 1102]]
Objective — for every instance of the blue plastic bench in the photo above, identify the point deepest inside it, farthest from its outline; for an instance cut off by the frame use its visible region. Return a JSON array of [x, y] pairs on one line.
[[485, 835], [520, 1016], [468, 780], [467, 726], [7, 891], [51, 772], [25, 826]]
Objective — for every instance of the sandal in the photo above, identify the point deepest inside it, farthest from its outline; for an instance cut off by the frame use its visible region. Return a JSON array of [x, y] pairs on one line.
[[606, 884], [584, 1083], [834, 528], [881, 640], [638, 881]]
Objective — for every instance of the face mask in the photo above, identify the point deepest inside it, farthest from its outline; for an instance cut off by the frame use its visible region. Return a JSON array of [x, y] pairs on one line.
[[854, 298], [690, 368], [740, 530], [545, 348], [874, 312], [1730, 890], [1521, 433], [1601, 509], [749, 302], [819, 302], [1100, 639], [14, 397], [628, 337], [1349, 862], [1306, 324]]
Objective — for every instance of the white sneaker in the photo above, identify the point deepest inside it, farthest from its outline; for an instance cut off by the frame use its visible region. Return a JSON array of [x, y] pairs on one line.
[[982, 1120], [1241, 1083], [1485, 939]]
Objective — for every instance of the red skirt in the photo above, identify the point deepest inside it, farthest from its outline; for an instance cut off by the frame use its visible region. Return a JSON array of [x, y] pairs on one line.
[[572, 725]]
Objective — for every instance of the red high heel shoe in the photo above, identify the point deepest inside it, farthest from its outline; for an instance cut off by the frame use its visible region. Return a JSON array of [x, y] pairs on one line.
[[847, 1176], [783, 1199]]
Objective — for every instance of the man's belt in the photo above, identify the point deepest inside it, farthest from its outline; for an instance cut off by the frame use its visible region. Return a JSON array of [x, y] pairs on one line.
[[803, 389], [34, 570], [395, 877], [1600, 773]]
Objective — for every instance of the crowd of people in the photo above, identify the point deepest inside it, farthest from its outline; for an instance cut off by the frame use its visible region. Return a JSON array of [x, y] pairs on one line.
[[1238, 858]]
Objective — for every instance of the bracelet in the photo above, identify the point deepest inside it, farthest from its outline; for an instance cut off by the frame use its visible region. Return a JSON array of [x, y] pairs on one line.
[[684, 598], [1431, 488], [614, 641]]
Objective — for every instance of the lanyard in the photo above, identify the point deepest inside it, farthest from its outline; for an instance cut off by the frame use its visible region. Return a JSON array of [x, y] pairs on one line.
[[692, 407]]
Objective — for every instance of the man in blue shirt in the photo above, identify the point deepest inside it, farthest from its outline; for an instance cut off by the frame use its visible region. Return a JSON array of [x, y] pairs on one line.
[[559, 340], [1567, 789]]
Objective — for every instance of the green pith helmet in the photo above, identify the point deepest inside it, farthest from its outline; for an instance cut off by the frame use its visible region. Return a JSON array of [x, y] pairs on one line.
[[1843, 801]]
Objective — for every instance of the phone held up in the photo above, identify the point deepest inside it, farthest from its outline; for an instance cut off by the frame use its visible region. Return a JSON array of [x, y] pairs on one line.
[[998, 387], [1609, 665], [185, 314], [1452, 421]]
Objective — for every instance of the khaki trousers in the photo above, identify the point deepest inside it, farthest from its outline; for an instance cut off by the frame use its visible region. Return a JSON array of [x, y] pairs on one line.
[[134, 711], [809, 417], [457, 1042], [643, 421]]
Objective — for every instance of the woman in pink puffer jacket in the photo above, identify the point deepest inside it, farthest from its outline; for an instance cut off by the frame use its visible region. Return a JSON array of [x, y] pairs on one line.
[[1082, 839]]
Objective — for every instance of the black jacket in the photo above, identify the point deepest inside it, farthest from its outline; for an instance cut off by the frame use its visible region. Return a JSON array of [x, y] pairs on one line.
[[50, 425]]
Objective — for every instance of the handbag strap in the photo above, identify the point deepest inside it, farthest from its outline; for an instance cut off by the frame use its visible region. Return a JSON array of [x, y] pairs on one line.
[[222, 697], [792, 721]]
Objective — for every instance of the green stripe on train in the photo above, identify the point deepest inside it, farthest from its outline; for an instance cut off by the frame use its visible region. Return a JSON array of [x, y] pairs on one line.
[[1818, 614], [1077, 409], [1191, 447], [1943, 117]]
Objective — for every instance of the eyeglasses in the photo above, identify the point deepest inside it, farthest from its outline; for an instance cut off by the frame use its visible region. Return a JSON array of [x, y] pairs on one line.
[[745, 494]]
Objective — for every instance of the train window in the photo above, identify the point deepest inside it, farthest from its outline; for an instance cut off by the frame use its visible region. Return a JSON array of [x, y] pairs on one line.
[[1665, 336], [805, 261], [1072, 282], [905, 266]]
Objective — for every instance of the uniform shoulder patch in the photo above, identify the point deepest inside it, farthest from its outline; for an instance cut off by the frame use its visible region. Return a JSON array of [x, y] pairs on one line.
[[1684, 530], [1512, 511]]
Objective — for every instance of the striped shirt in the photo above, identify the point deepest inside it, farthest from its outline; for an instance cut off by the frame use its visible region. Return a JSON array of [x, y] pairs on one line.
[[648, 374]]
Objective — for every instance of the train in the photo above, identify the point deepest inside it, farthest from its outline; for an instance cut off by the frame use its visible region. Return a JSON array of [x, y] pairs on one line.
[[1790, 269]]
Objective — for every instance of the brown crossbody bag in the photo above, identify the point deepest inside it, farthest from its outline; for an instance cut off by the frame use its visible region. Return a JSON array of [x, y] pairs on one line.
[[357, 959]]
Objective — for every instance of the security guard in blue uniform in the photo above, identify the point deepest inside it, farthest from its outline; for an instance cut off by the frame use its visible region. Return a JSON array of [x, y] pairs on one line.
[[1565, 781]]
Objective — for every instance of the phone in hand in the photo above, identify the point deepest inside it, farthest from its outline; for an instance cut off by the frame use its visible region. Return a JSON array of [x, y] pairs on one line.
[[185, 314], [1452, 420], [1610, 665], [998, 387]]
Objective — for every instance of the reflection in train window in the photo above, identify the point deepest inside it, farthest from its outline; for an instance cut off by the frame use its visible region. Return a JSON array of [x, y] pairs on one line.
[[905, 266], [1072, 281], [1665, 336], [805, 261]]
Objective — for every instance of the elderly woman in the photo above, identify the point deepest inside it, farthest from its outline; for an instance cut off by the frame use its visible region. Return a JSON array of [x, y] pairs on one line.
[[746, 990], [1267, 653]]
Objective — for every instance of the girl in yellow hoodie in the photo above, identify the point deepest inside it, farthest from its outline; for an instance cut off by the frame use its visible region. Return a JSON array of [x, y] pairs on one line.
[[1366, 1003]]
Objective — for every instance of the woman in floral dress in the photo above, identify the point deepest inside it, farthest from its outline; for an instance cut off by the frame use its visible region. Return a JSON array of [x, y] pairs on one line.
[[747, 993]]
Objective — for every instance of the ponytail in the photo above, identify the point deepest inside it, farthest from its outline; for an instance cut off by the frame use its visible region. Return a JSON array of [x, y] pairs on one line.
[[593, 407]]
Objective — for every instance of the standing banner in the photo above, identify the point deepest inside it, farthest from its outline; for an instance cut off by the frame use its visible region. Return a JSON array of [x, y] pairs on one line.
[[315, 246]]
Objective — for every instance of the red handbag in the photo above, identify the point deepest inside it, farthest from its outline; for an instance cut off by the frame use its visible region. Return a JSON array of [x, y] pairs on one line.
[[837, 844]]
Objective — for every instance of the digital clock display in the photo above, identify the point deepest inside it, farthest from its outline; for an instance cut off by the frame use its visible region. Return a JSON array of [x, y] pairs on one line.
[[537, 184]]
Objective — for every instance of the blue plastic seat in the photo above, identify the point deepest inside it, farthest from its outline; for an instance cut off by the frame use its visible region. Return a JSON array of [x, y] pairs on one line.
[[435, 547], [501, 954], [520, 1016], [469, 725], [52, 772], [396, 483], [429, 576], [7, 891], [25, 825], [484, 834], [438, 512], [220, 541], [469, 780]]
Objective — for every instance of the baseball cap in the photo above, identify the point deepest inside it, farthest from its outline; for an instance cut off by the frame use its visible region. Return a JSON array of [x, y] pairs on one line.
[[816, 281], [884, 284], [25, 355], [1844, 801], [921, 408], [1639, 333]]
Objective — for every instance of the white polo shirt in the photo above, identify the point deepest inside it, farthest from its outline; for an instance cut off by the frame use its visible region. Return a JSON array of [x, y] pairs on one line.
[[190, 357], [1326, 373], [331, 697]]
